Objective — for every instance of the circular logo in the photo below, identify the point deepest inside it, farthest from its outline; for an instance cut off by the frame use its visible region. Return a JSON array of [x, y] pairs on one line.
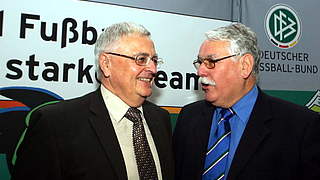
[[283, 26]]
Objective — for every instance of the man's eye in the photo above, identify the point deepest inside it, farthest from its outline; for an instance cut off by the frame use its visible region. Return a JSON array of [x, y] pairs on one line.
[[155, 59], [142, 58]]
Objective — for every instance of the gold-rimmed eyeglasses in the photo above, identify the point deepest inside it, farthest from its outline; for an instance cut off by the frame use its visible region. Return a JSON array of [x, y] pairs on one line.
[[209, 62], [141, 59]]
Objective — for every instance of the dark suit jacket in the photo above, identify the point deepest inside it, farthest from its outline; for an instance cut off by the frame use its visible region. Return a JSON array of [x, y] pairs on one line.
[[75, 139], [281, 141]]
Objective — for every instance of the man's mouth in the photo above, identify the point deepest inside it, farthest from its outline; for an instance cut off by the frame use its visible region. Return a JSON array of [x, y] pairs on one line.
[[145, 79]]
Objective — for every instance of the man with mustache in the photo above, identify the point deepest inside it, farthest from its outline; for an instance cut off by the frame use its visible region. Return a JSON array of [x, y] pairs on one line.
[[112, 133], [238, 132]]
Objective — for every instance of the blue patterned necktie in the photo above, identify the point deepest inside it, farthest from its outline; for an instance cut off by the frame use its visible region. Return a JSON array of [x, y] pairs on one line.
[[145, 162], [218, 148]]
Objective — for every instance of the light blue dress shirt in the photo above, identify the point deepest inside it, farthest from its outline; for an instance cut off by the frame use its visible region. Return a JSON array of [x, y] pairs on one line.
[[238, 122]]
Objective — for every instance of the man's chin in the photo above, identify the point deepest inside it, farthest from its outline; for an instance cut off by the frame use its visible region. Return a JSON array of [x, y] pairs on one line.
[[146, 93], [208, 98]]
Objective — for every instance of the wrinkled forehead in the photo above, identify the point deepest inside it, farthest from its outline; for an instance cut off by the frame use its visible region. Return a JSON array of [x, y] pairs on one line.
[[135, 44], [214, 48]]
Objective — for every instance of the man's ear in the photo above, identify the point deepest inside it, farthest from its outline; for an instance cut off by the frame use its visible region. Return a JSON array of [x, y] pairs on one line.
[[104, 64], [246, 65]]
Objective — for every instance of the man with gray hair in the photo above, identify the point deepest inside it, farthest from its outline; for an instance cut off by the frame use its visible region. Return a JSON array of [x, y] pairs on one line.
[[112, 133], [238, 132]]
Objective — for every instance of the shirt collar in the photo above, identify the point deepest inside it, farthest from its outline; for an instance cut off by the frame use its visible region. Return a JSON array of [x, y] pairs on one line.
[[116, 107], [245, 105]]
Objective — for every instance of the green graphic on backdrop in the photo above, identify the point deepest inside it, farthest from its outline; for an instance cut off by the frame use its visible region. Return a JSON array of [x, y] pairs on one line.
[[4, 171], [283, 26], [297, 97], [314, 103]]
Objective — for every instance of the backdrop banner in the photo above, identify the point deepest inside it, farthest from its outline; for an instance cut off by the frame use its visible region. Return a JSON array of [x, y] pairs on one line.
[[47, 55], [47, 51], [288, 38]]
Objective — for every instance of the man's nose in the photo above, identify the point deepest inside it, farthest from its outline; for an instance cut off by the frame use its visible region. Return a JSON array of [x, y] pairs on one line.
[[152, 66], [202, 70]]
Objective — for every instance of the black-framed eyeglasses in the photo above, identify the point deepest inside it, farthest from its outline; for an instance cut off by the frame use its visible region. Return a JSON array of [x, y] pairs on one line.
[[141, 59], [209, 62]]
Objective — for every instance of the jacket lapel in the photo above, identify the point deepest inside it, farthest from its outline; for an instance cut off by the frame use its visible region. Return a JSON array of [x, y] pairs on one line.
[[253, 135], [201, 135], [101, 123]]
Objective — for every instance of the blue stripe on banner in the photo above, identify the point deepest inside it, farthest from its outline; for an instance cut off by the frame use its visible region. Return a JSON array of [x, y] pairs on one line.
[[14, 109]]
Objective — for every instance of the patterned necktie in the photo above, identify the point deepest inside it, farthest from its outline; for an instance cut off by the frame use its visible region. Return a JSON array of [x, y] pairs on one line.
[[218, 148], [146, 166]]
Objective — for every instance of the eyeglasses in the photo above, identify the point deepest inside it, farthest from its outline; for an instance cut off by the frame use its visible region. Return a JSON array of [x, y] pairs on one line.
[[141, 59], [209, 62]]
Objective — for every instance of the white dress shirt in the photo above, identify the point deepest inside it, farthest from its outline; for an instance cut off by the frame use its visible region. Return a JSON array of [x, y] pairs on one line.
[[123, 128]]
